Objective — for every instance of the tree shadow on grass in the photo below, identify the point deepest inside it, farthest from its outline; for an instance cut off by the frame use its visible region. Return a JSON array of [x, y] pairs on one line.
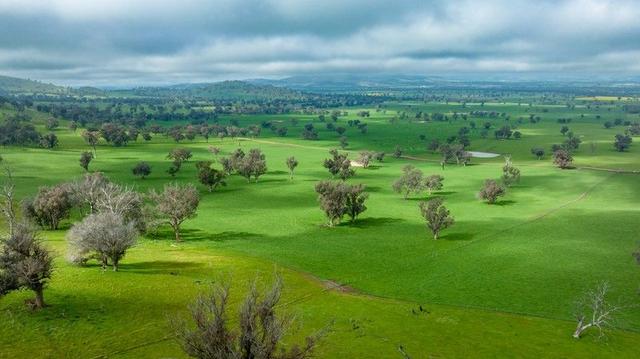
[[456, 236], [427, 197], [159, 267], [502, 203], [277, 173], [270, 180], [372, 222], [198, 235]]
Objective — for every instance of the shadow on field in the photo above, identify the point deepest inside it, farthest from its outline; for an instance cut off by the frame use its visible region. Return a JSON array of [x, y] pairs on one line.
[[457, 236], [159, 267], [372, 222], [434, 195], [507, 202], [198, 235], [277, 173]]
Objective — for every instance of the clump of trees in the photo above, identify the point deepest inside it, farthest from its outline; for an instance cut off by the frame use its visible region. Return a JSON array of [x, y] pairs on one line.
[[141, 169], [25, 264], [260, 328], [436, 215], [413, 181], [491, 190], [338, 199], [104, 236], [365, 158], [339, 165], [175, 204]]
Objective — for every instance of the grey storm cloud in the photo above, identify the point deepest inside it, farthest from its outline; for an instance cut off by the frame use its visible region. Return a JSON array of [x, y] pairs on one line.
[[111, 42]]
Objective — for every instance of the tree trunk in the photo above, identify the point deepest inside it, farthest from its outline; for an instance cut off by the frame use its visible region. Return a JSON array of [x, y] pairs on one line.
[[39, 300], [114, 265], [176, 230], [580, 328], [435, 235]]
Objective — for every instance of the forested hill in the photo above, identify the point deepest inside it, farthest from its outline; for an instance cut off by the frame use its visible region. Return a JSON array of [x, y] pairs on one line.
[[14, 85], [226, 90]]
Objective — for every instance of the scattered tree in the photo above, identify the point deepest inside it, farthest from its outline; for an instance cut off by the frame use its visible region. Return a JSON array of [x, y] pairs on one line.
[[436, 215], [491, 190], [538, 152], [433, 183], [142, 169], [595, 311], [510, 174], [175, 204], [339, 165], [622, 142], [104, 236], [562, 158], [25, 263], [50, 205], [85, 160], [260, 334], [292, 163], [210, 177], [411, 181]]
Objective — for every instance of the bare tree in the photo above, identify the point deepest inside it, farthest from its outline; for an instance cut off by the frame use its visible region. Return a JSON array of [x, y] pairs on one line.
[[25, 263], [104, 236], [260, 328], [7, 193], [595, 311], [176, 204], [292, 163], [87, 190], [436, 215]]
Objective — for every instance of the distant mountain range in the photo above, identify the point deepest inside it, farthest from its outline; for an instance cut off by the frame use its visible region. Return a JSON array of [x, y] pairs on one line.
[[304, 87], [225, 90]]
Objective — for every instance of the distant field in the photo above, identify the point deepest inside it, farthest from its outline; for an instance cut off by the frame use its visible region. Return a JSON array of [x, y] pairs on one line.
[[502, 281]]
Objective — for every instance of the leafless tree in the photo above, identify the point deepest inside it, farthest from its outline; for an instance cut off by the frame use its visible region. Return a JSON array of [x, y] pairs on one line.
[[260, 328], [7, 192], [175, 204], [595, 311], [104, 236]]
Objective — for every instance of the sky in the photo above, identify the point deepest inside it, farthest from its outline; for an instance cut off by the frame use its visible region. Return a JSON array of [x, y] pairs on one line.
[[147, 42]]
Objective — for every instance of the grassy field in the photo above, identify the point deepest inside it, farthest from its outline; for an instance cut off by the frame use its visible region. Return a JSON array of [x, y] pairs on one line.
[[502, 281]]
